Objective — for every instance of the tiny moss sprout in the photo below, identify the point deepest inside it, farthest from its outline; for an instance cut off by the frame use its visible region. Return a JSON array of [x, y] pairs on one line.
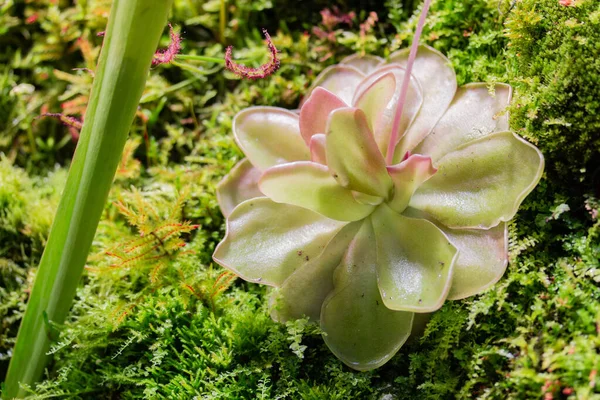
[[387, 194]]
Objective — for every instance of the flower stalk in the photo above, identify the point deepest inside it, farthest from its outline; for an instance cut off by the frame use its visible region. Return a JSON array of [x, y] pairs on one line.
[[404, 88], [133, 32]]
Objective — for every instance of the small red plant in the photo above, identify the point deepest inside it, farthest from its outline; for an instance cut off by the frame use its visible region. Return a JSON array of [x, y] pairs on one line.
[[331, 18], [369, 23], [73, 123]]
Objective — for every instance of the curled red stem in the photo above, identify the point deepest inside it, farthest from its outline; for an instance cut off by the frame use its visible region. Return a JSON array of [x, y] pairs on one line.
[[65, 119], [254, 73]]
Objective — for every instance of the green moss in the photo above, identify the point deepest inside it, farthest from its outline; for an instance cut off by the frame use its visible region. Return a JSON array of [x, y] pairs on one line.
[[188, 330], [26, 209], [555, 50]]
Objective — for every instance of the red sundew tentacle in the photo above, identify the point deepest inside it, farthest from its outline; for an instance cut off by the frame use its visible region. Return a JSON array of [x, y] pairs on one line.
[[65, 119], [167, 55], [254, 73]]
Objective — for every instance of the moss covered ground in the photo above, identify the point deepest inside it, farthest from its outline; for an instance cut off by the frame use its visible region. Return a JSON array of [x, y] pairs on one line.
[[160, 320]]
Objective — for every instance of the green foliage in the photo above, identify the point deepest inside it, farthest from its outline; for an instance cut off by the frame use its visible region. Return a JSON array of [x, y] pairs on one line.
[[26, 208], [193, 332], [555, 49]]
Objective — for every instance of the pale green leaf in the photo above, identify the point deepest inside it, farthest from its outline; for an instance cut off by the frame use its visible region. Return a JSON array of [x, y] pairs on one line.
[[474, 113], [303, 293], [353, 156], [269, 136], [481, 183], [364, 63], [407, 177], [267, 241], [414, 261], [239, 185], [310, 185], [340, 80], [359, 329]]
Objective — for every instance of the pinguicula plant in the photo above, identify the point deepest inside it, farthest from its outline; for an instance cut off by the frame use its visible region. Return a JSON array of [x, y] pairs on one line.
[[388, 193]]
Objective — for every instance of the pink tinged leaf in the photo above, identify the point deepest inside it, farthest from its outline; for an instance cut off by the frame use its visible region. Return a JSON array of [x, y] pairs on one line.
[[365, 64], [310, 185], [269, 136], [481, 183], [359, 329], [438, 82], [474, 113], [303, 293], [407, 177], [315, 112], [317, 148], [239, 185], [376, 102], [482, 256], [385, 116], [482, 259], [415, 261], [341, 80], [353, 156], [267, 241]]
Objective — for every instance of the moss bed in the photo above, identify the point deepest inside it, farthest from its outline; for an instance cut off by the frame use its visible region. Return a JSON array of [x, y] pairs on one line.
[[177, 326]]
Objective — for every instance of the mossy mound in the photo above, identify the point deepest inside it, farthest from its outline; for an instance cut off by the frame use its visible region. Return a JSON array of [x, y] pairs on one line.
[[171, 324]]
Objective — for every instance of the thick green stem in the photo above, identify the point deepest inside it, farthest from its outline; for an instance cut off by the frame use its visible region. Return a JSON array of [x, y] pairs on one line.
[[133, 32]]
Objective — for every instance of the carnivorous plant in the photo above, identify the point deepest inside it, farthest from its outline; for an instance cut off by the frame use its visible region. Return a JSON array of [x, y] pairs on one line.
[[386, 195]]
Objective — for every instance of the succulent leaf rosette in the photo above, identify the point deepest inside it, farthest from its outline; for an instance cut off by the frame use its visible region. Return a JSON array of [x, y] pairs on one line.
[[360, 231]]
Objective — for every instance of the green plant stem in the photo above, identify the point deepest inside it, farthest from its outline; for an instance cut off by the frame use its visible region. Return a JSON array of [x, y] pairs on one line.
[[222, 21], [133, 32], [215, 60]]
